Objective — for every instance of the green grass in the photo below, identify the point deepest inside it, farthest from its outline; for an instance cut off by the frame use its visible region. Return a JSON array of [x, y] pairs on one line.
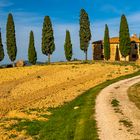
[[115, 103], [134, 94], [126, 123], [67, 123], [12, 136], [32, 127]]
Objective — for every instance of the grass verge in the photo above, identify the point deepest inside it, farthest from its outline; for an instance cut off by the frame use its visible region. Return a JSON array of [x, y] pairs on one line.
[[134, 94], [73, 121]]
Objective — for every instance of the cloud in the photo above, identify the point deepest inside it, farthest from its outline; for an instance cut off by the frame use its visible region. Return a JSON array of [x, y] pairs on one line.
[[110, 8], [114, 24], [5, 3]]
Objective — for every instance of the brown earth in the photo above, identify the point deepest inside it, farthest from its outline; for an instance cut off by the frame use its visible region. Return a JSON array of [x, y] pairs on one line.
[[38, 87]]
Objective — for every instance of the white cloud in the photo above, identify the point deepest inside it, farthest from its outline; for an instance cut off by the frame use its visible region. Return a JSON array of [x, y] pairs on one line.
[[110, 8], [114, 24], [5, 3]]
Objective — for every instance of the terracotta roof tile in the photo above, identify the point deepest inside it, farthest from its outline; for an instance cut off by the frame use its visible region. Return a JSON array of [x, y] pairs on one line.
[[115, 40]]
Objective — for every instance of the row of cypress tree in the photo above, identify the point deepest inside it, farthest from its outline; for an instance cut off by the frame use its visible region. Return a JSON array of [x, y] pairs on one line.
[[124, 39], [48, 45]]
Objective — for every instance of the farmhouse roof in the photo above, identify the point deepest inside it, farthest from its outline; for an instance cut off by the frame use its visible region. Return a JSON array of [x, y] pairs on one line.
[[115, 40]]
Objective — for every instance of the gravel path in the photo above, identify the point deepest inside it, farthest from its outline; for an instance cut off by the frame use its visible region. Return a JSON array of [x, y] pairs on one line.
[[121, 122]]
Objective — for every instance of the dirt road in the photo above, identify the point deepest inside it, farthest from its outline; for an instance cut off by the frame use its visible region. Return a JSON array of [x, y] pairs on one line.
[[117, 117]]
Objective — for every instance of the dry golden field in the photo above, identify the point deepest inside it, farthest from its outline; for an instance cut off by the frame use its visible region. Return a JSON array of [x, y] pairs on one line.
[[40, 87]]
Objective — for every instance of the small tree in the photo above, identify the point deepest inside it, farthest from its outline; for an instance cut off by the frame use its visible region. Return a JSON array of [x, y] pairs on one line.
[[124, 37], [84, 33], [11, 39], [48, 46], [1, 49], [68, 46], [32, 55], [117, 56], [106, 44]]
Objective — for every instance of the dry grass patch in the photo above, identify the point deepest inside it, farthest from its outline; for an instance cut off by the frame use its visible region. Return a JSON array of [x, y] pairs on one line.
[[134, 94]]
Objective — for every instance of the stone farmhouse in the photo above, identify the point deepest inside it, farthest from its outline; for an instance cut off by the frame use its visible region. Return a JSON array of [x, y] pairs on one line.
[[98, 49]]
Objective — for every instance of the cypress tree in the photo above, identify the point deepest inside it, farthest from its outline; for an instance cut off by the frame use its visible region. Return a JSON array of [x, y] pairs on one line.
[[139, 43], [124, 37], [32, 55], [106, 43], [117, 56], [68, 46], [1, 49], [84, 33], [11, 39], [48, 46]]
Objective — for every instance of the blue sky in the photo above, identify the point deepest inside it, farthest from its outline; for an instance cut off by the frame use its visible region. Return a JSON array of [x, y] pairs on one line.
[[29, 14]]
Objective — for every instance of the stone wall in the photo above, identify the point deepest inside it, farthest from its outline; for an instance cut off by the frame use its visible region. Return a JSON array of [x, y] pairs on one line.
[[98, 52], [112, 51]]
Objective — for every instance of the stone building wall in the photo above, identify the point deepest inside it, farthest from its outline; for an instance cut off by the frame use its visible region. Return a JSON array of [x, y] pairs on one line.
[[112, 52]]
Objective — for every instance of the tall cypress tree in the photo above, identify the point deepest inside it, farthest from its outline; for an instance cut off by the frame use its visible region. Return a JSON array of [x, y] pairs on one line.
[[48, 45], [32, 55], [139, 43], [11, 39], [117, 56], [124, 37], [68, 46], [106, 43], [1, 49], [84, 33]]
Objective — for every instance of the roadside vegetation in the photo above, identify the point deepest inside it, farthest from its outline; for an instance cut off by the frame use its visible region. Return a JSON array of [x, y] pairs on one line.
[[134, 94]]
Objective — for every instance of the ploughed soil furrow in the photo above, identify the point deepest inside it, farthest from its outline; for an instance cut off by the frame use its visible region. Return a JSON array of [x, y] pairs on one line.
[[8, 102], [45, 96], [52, 85]]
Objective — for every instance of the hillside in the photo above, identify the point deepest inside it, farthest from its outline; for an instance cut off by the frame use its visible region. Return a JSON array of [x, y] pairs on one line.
[[25, 90]]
